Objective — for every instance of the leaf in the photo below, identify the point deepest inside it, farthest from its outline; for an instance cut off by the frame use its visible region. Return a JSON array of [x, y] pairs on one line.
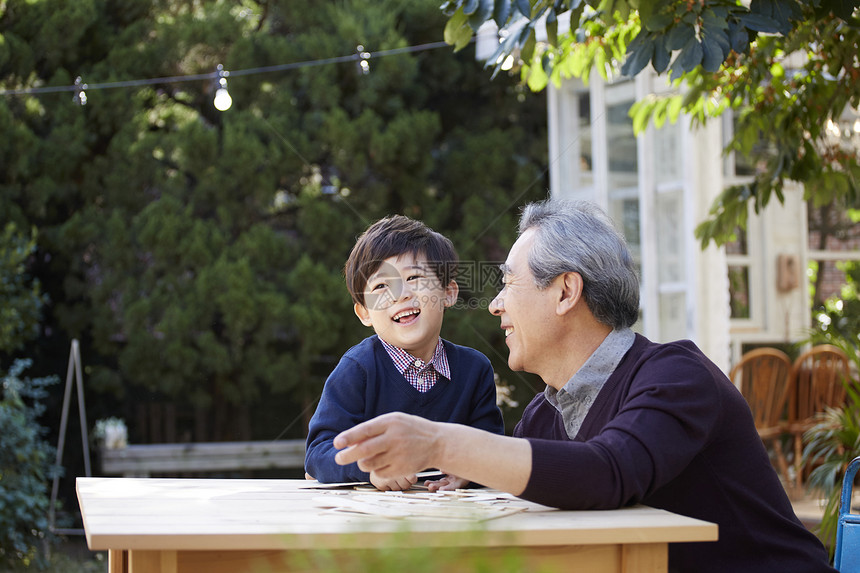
[[622, 10], [606, 7], [528, 48], [673, 109], [552, 27], [662, 56], [639, 53], [470, 6], [690, 56], [739, 37], [501, 12], [678, 36], [537, 79], [780, 11], [759, 23], [525, 7], [710, 19], [453, 27], [481, 15], [641, 113], [511, 41], [712, 53], [655, 16]]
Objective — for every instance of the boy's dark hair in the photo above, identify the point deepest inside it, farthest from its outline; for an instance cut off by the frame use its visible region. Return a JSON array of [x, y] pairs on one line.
[[391, 237]]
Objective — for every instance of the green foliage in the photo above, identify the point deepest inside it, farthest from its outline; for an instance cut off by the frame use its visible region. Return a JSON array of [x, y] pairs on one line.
[[785, 114], [838, 321], [669, 34], [418, 560], [198, 255], [729, 55], [20, 298], [25, 468], [835, 438]]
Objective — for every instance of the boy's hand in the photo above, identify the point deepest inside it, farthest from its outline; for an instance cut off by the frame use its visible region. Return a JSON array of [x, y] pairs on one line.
[[447, 483], [394, 484]]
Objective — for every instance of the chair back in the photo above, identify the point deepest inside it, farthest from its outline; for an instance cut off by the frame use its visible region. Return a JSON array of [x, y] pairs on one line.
[[847, 557], [819, 376], [763, 377]]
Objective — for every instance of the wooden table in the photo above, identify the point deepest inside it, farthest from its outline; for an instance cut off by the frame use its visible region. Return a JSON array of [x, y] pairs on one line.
[[150, 525]]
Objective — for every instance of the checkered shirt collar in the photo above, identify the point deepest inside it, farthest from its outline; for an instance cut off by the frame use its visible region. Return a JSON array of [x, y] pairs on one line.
[[405, 362]]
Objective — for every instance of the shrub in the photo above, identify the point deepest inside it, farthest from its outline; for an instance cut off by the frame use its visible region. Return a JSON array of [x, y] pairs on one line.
[[25, 469]]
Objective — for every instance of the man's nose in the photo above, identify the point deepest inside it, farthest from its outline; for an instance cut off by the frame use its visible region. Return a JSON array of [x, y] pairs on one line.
[[497, 305]]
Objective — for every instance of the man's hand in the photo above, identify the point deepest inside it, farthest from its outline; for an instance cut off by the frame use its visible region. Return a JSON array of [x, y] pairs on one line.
[[447, 483], [391, 446], [396, 444], [395, 484]]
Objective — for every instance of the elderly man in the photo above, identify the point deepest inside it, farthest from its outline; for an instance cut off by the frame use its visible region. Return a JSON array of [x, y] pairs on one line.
[[622, 420]]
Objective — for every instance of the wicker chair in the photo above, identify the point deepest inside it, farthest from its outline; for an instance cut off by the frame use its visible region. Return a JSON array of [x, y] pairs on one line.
[[819, 376], [764, 378]]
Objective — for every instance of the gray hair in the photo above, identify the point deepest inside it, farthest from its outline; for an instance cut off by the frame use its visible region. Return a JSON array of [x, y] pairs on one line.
[[577, 236]]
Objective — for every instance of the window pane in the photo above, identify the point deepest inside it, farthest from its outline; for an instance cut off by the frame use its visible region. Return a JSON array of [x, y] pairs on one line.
[[670, 239], [585, 150], [621, 142], [739, 246], [673, 317], [667, 155], [739, 291]]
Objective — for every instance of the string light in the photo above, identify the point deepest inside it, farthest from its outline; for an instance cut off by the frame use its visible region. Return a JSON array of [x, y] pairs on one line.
[[363, 64], [80, 96], [222, 100], [360, 57]]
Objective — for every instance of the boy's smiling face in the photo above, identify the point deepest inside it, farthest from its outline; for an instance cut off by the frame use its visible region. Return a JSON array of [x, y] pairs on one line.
[[404, 303]]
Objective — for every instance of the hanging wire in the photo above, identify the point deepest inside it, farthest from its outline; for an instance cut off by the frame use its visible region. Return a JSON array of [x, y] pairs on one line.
[[359, 56]]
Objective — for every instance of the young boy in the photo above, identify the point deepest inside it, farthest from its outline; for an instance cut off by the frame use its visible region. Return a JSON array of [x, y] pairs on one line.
[[400, 274]]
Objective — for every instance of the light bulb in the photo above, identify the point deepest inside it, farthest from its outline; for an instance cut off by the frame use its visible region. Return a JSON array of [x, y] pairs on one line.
[[222, 100]]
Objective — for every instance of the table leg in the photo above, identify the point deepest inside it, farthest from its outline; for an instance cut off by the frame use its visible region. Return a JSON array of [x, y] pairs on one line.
[[645, 558], [117, 561], [152, 561]]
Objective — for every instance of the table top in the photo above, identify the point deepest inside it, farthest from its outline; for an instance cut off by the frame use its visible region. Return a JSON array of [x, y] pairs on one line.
[[223, 514]]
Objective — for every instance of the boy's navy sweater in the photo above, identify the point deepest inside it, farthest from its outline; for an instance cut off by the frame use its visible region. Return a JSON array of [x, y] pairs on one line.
[[669, 430], [366, 384]]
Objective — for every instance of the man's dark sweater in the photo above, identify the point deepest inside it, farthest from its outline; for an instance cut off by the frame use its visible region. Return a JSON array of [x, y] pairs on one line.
[[669, 430], [366, 384]]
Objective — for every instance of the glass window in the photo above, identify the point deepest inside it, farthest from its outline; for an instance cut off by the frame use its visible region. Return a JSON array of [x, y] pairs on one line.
[[673, 316], [670, 238], [667, 156], [739, 246], [621, 142], [586, 161], [739, 291]]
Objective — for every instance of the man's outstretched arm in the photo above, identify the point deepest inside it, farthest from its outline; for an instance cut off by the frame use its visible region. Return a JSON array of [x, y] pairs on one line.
[[398, 444]]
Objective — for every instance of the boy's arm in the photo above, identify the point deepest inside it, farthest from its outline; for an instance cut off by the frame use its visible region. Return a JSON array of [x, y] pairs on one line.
[[341, 406]]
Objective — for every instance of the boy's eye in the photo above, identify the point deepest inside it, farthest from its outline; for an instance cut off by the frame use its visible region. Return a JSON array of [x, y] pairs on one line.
[[414, 277], [379, 286]]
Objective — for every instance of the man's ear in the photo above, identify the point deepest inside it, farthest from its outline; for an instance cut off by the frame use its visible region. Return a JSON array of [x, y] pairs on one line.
[[451, 292], [570, 292], [362, 313]]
